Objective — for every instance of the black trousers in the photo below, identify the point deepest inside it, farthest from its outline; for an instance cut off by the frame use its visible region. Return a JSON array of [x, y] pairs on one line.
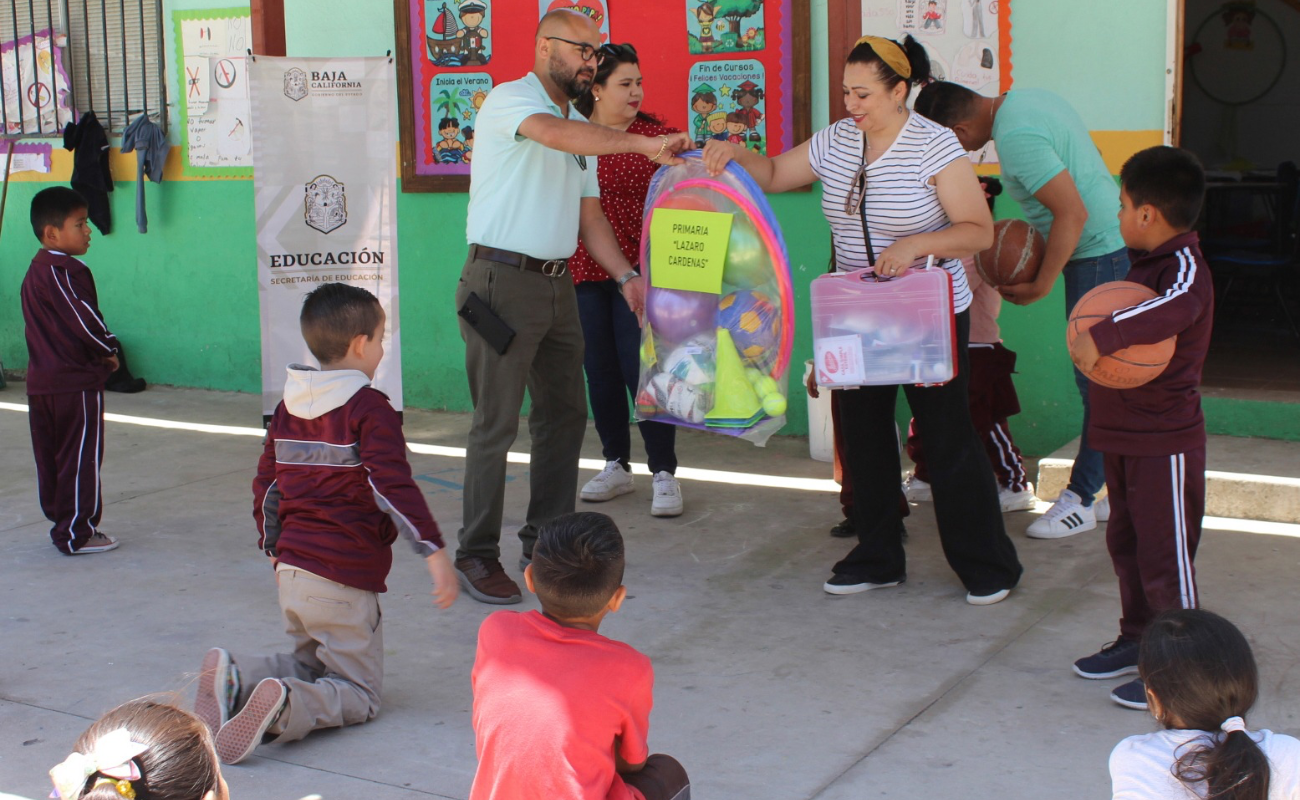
[[961, 478]]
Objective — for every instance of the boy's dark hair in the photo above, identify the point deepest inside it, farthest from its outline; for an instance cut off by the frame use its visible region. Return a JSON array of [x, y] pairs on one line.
[[736, 116], [179, 763], [448, 122], [708, 97], [1168, 178], [53, 206], [946, 103], [577, 564], [1200, 669], [917, 59], [333, 314]]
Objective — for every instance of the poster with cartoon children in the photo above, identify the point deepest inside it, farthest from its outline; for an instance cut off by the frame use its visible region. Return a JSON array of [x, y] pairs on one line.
[[457, 33], [726, 103], [923, 16], [724, 26], [454, 101], [596, 9]]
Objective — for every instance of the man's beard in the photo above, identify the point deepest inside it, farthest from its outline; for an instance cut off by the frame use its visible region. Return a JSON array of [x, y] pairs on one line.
[[573, 84]]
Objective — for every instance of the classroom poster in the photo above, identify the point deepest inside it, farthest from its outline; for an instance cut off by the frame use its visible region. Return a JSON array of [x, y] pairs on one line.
[[458, 34], [968, 41], [598, 10], [724, 26], [326, 205], [726, 103], [456, 98], [212, 50], [36, 86]]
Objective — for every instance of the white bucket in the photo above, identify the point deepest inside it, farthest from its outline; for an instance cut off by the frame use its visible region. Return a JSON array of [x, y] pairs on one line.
[[821, 434]]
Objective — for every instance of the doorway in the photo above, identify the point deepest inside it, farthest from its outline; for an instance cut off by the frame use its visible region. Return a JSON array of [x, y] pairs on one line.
[[1235, 77]]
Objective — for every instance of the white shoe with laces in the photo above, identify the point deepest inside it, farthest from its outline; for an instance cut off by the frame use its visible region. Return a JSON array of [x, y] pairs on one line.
[[917, 490], [609, 483], [1011, 500], [1101, 508], [668, 496], [1067, 516]]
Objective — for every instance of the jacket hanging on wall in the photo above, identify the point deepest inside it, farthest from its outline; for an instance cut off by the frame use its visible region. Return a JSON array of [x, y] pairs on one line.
[[150, 145], [90, 175]]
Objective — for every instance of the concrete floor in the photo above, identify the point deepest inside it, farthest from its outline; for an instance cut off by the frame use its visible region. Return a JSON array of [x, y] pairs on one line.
[[766, 687]]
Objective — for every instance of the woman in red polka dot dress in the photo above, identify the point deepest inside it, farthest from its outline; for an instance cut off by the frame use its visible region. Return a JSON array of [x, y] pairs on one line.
[[611, 330]]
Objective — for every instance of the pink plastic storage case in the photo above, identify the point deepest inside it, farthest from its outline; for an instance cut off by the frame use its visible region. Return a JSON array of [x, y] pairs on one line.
[[871, 332]]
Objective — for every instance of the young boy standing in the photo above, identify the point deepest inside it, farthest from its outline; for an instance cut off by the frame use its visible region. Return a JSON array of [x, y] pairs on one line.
[[70, 356], [1153, 436], [559, 710], [332, 492]]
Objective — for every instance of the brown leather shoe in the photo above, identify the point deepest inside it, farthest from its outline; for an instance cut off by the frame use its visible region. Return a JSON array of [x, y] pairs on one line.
[[485, 580]]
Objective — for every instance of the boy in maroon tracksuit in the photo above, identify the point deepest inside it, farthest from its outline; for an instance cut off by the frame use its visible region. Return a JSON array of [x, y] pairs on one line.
[[1153, 436], [70, 356], [333, 490]]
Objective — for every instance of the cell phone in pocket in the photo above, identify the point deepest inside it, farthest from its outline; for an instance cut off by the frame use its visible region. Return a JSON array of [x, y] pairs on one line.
[[486, 323]]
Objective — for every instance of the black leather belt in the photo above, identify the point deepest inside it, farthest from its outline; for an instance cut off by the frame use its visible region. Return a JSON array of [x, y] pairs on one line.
[[553, 268]]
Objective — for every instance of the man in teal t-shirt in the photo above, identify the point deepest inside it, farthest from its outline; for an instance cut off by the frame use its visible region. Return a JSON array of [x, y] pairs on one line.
[[1051, 167]]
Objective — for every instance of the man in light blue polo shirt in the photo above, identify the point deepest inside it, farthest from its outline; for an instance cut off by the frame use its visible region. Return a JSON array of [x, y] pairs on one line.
[[1052, 168], [533, 191]]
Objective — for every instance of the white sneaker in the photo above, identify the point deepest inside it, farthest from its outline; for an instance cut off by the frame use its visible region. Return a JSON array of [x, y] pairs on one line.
[[668, 496], [917, 490], [1066, 517], [1101, 508], [612, 481], [1022, 500]]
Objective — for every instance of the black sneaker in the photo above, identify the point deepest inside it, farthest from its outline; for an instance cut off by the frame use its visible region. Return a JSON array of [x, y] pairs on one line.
[[844, 529], [1120, 657], [852, 584], [1131, 695]]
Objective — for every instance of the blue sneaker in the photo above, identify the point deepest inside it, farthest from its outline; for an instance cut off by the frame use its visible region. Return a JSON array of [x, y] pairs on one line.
[[1131, 695], [1120, 657]]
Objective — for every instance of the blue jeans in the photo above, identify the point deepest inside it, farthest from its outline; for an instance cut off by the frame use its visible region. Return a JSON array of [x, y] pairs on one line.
[[1081, 276], [613, 366]]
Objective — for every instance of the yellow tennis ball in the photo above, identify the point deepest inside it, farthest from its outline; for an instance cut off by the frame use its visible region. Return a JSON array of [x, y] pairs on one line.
[[774, 404]]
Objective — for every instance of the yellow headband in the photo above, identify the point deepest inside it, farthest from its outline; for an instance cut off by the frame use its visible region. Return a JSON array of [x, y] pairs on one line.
[[889, 52]]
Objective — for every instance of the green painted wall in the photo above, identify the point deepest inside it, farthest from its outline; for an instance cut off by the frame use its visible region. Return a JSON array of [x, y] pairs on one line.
[[184, 298]]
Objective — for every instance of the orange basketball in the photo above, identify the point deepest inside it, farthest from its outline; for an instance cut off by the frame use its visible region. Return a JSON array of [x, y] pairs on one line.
[[1015, 256], [1132, 366]]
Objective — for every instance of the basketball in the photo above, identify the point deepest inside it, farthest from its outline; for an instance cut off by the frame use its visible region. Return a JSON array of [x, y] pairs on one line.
[[1015, 256], [1132, 366]]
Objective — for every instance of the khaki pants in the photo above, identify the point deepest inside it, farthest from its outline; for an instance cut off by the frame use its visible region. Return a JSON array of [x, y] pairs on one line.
[[545, 357], [336, 670]]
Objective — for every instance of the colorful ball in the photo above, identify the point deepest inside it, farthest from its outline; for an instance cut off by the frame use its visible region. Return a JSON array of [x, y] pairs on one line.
[[755, 326], [679, 398], [748, 263], [676, 315], [693, 362], [774, 404]]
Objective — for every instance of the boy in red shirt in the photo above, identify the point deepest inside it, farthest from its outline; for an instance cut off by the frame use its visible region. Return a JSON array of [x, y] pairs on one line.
[[1153, 435], [559, 710], [70, 356], [332, 492]]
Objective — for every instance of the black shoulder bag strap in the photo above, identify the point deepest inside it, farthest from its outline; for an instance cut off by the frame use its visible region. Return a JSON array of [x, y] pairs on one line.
[[862, 206]]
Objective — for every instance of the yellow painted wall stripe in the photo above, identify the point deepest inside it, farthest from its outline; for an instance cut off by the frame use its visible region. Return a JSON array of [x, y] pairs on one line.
[[1115, 146]]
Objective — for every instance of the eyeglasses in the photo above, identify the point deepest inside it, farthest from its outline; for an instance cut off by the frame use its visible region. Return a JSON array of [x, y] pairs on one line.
[[608, 51], [585, 51], [857, 190]]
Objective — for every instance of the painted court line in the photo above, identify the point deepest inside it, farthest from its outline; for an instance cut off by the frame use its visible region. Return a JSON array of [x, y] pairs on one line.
[[694, 473]]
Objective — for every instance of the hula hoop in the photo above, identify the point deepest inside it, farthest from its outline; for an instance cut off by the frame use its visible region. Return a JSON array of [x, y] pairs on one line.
[[774, 246]]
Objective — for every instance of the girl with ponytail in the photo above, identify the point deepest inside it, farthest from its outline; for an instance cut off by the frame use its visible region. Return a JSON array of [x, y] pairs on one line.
[[1201, 680]]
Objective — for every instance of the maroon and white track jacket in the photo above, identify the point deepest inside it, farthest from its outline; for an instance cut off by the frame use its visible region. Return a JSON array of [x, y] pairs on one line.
[[1163, 417], [67, 340], [333, 486]]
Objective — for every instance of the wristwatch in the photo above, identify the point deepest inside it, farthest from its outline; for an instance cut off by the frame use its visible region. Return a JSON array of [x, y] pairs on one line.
[[626, 276]]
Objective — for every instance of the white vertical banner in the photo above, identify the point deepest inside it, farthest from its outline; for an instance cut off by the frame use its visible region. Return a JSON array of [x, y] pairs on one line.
[[325, 191]]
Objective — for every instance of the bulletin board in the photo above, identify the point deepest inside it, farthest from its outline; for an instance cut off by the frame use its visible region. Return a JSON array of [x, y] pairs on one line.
[[968, 41], [211, 52], [748, 59]]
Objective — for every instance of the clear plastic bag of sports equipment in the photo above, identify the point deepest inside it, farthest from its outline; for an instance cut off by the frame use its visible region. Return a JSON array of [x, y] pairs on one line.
[[719, 317], [872, 332]]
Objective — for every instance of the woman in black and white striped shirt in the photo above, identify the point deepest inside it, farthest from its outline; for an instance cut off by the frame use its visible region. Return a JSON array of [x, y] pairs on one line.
[[896, 188]]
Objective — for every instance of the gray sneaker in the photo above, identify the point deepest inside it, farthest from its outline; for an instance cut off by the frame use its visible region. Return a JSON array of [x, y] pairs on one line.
[[609, 483]]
